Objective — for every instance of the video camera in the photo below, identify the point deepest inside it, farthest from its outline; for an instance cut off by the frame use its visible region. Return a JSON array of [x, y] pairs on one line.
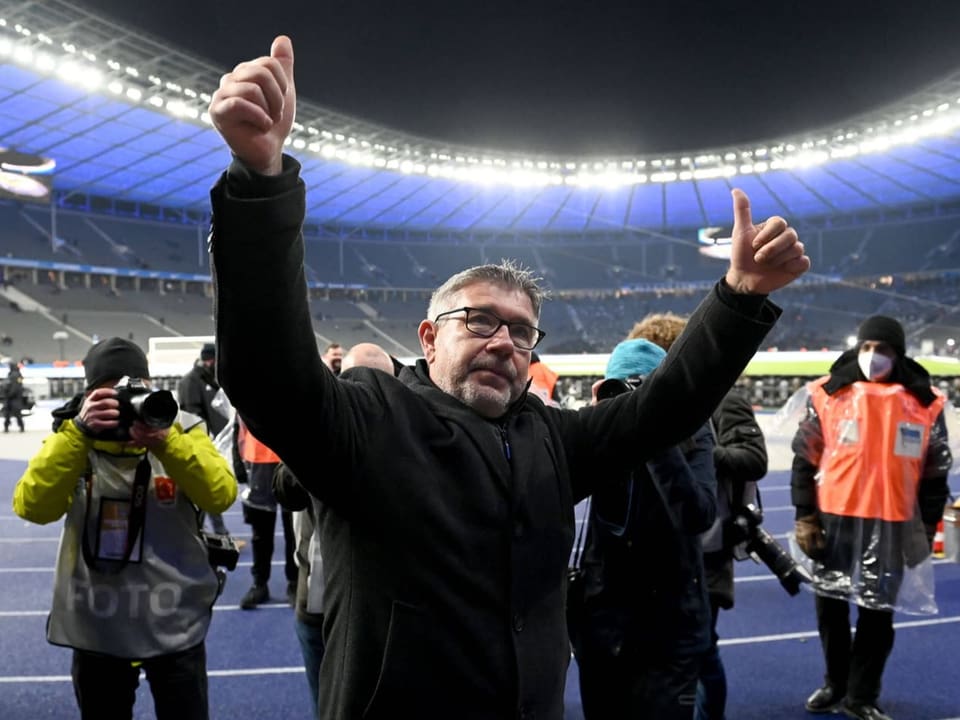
[[744, 530], [154, 408]]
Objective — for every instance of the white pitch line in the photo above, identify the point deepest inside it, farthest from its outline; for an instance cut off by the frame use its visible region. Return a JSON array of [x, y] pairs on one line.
[[239, 672], [755, 639]]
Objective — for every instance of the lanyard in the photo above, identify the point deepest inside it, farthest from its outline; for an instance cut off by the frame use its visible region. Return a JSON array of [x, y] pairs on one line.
[[138, 508]]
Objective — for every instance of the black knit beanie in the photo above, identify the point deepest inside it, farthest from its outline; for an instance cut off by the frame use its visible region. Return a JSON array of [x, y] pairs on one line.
[[208, 351], [881, 328], [113, 358]]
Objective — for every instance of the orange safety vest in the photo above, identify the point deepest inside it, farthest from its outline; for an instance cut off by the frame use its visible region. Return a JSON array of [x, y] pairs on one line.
[[544, 380], [875, 439], [251, 449]]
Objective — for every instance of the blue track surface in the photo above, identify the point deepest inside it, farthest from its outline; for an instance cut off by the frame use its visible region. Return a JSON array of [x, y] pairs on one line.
[[769, 640]]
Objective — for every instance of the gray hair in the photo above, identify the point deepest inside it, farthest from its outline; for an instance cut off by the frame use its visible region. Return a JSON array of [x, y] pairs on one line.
[[507, 273]]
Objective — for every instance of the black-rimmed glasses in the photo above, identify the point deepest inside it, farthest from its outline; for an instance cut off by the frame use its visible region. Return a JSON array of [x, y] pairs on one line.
[[485, 324]]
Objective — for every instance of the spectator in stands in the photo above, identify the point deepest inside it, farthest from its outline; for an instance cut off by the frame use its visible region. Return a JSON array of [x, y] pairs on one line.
[[333, 357], [740, 460], [133, 586], [200, 393], [13, 397], [260, 512], [447, 492], [869, 485], [645, 623], [291, 495]]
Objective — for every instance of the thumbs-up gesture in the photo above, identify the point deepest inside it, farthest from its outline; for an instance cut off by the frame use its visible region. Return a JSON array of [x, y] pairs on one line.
[[254, 107], [765, 256]]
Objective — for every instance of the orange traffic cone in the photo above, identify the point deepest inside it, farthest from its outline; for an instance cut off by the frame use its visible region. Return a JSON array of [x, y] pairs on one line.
[[938, 550]]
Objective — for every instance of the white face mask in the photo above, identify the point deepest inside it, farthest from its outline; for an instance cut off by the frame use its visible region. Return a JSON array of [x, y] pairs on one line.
[[874, 365]]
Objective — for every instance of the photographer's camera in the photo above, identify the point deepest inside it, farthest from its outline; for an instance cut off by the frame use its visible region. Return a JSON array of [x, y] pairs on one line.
[[745, 530], [138, 401], [222, 550]]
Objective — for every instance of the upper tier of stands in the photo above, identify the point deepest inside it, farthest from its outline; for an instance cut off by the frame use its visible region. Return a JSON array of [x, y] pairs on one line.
[[367, 290]]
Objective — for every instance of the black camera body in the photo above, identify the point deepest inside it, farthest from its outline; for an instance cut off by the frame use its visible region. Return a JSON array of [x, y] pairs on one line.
[[154, 408], [744, 529], [222, 550], [611, 387]]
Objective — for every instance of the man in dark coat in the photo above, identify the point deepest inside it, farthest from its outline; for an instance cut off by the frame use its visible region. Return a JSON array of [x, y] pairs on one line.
[[199, 393], [12, 395], [646, 618], [740, 460], [447, 500]]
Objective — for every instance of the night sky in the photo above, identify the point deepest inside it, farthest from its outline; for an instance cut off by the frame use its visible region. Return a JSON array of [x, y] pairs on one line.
[[580, 76]]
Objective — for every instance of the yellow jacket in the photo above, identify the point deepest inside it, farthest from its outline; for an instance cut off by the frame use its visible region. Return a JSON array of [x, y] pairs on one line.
[[45, 491]]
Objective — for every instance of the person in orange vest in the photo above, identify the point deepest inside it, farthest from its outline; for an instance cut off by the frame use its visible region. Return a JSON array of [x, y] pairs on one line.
[[543, 381], [260, 512], [869, 483]]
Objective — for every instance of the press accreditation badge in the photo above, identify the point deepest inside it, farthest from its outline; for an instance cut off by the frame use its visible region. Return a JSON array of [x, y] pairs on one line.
[[909, 440], [849, 432], [114, 530]]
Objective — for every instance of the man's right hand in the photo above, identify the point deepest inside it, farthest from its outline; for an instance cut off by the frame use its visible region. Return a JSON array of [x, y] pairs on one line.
[[810, 536], [99, 412], [254, 108]]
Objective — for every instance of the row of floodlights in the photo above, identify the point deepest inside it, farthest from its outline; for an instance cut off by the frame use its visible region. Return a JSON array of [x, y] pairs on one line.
[[80, 68]]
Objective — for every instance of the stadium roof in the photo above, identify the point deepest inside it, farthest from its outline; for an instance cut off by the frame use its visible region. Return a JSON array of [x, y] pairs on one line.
[[123, 118]]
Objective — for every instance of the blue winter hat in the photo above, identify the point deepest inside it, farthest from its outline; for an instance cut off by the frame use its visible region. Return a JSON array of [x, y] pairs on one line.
[[634, 357]]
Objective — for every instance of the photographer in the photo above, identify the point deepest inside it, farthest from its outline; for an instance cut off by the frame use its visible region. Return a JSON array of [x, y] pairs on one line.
[[133, 586], [646, 618], [740, 460]]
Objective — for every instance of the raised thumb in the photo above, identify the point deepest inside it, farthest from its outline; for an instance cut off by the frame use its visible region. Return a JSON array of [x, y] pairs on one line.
[[282, 50], [742, 218]]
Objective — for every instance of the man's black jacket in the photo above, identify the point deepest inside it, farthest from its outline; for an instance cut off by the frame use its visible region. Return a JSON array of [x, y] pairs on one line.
[[446, 536]]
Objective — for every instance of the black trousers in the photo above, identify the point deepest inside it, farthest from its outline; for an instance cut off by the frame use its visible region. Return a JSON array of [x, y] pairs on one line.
[[11, 414], [263, 523], [631, 686], [854, 666], [106, 687]]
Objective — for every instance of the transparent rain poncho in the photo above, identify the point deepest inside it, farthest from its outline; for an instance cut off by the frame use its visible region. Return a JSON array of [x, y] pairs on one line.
[[869, 559]]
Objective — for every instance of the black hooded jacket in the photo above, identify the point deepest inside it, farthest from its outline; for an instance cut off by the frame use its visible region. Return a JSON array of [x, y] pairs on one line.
[[446, 536]]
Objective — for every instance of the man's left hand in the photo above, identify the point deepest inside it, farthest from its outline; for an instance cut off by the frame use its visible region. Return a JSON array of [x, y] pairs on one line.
[[764, 257]]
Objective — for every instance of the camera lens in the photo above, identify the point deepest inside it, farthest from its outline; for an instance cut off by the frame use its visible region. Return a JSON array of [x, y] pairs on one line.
[[788, 571], [157, 409]]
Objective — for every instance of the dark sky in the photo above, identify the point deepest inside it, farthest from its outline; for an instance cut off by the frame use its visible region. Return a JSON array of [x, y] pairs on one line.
[[580, 76]]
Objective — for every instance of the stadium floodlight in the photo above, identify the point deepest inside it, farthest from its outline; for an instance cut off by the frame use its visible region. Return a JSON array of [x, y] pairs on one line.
[[79, 74], [119, 75], [663, 177], [805, 159], [45, 62]]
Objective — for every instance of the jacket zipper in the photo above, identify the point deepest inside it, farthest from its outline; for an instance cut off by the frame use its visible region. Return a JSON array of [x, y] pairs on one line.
[[505, 441]]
